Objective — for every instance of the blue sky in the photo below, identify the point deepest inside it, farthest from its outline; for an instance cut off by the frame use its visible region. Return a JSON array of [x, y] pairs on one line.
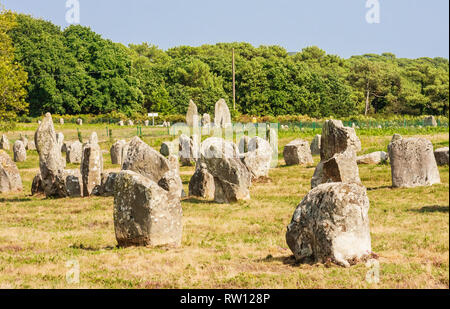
[[408, 28]]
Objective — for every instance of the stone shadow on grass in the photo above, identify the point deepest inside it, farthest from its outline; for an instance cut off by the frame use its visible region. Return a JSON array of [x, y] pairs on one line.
[[379, 188], [15, 200], [286, 260], [194, 200], [433, 208]]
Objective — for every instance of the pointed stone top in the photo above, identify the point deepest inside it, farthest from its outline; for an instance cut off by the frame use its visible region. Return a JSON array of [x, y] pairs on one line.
[[94, 138]]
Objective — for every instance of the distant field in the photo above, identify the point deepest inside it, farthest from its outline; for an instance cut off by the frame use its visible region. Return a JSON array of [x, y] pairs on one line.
[[224, 246]]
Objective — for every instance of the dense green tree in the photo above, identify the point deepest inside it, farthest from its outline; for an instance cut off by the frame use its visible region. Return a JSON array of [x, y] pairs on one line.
[[12, 77]]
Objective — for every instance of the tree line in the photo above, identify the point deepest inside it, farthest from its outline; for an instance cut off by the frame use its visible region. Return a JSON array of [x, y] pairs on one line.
[[76, 71]]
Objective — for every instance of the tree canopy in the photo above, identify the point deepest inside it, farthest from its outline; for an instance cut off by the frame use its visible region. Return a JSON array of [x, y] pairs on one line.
[[75, 71]]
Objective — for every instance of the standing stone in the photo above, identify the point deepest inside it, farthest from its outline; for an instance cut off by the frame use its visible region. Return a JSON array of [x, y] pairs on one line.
[[24, 140], [186, 150], [20, 153], [116, 152], [51, 163], [10, 180], [61, 121], [338, 149], [74, 152], [72, 182], [232, 179], [4, 142], [168, 148], [37, 186], [441, 156], [412, 162], [79, 121], [430, 121], [31, 145], [130, 122], [64, 147], [297, 152], [121, 123], [331, 224], [143, 159], [146, 123], [315, 145], [91, 165], [107, 186], [192, 115], [173, 163], [60, 139], [124, 153], [243, 144], [144, 213], [222, 116], [257, 159], [376, 157], [202, 183], [206, 120]]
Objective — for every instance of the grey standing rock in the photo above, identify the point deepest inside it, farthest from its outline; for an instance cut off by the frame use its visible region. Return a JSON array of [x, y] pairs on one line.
[[143, 159], [130, 122], [258, 157], [441, 156], [24, 140], [116, 152], [74, 152], [61, 121], [376, 157], [51, 163], [31, 145], [338, 149], [331, 224], [79, 121], [37, 186], [10, 179], [232, 179], [192, 115], [168, 148], [206, 120], [202, 183], [188, 150], [91, 165], [315, 145], [107, 185], [144, 213], [222, 116], [430, 121], [4, 142], [20, 153], [412, 162], [297, 152]]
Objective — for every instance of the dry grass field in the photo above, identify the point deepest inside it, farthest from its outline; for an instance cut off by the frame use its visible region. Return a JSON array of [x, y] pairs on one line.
[[224, 246]]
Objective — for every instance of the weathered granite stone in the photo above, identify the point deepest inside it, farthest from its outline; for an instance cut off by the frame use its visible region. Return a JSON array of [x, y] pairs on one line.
[[143, 159], [315, 145], [10, 180], [206, 120], [37, 186], [412, 162], [376, 157], [31, 145], [20, 153], [257, 158], [441, 156], [331, 224], [202, 183], [107, 186], [232, 179], [168, 148], [130, 122], [79, 121], [192, 115], [121, 123], [51, 162], [243, 144], [188, 150], [430, 121], [222, 116], [72, 183], [297, 152], [4, 142], [74, 152], [91, 165], [24, 140], [144, 213], [116, 152], [338, 149], [61, 121]]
